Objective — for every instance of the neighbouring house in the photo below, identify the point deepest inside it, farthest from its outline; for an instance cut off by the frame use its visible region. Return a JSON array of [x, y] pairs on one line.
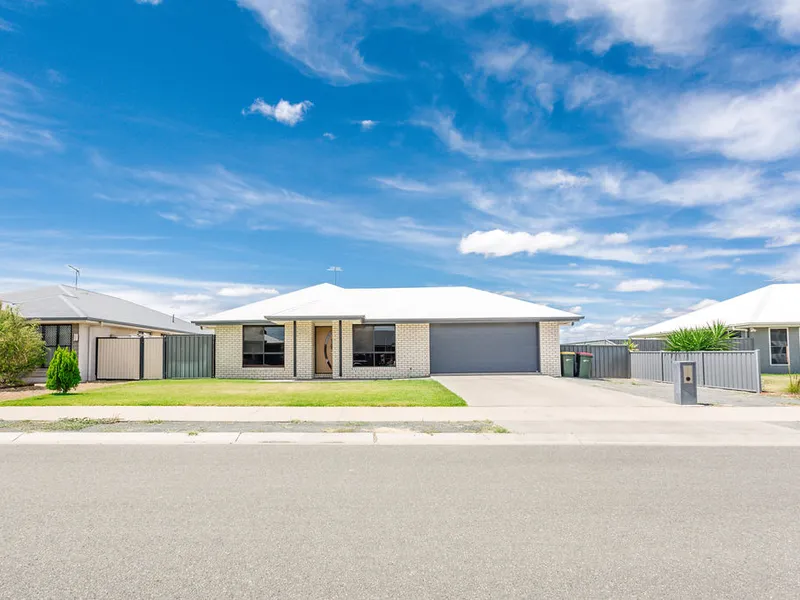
[[770, 315], [327, 331], [74, 318]]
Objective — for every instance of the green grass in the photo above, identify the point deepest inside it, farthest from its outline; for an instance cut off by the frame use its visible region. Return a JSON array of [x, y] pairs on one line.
[[236, 392], [60, 425]]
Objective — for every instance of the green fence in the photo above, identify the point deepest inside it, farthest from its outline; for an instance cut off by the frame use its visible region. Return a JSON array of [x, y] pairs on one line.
[[188, 356]]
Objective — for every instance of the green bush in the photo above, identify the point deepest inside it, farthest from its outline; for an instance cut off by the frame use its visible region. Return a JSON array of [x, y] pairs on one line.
[[714, 337], [63, 373], [21, 347]]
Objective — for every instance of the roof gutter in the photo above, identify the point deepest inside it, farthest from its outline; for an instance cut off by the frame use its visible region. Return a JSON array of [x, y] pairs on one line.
[[104, 322]]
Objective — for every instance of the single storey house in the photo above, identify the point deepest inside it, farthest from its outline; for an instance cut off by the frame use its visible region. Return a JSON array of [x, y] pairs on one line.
[[74, 318], [770, 315], [326, 331]]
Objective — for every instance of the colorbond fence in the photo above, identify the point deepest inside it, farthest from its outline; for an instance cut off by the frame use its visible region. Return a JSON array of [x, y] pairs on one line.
[[608, 361], [167, 357], [735, 370]]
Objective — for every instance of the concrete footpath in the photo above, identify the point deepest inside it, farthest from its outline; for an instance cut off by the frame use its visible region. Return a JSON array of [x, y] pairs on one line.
[[712, 438], [663, 412]]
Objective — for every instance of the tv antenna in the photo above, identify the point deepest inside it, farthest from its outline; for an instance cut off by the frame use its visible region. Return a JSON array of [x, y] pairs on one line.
[[77, 274], [336, 271]]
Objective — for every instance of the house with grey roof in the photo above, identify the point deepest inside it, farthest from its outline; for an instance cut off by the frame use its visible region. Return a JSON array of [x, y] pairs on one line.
[[74, 318]]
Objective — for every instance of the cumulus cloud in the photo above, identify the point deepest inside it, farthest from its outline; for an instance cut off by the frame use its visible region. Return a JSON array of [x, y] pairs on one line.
[[763, 124], [152, 2], [328, 136], [240, 291], [282, 112], [505, 243], [367, 124]]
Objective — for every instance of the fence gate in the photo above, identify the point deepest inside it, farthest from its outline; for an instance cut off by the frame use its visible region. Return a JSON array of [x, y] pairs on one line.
[[188, 356], [167, 357]]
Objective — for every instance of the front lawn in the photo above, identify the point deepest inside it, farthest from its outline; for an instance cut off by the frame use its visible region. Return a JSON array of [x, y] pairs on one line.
[[237, 392], [775, 384]]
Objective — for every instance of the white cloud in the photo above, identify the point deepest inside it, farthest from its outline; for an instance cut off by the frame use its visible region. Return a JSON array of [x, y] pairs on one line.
[[616, 238], [705, 303], [575, 309], [5, 25], [785, 14], [152, 2], [588, 286], [329, 136], [322, 36], [442, 125], [283, 112], [191, 297], [552, 179], [505, 243], [404, 184], [240, 291], [649, 285], [763, 124], [20, 127], [367, 124]]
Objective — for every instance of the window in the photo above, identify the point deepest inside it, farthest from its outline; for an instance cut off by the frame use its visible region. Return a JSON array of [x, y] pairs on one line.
[[55, 336], [373, 346], [779, 346], [263, 346]]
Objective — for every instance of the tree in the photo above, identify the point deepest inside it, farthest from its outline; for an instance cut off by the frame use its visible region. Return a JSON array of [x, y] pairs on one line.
[[22, 348], [63, 374], [714, 337]]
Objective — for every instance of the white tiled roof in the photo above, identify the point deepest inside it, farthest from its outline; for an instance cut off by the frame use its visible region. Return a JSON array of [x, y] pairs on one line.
[[64, 303], [425, 304], [777, 304]]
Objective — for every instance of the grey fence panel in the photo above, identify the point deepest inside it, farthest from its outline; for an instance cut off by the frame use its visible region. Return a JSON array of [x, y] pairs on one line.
[[735, 370], [655, 345], [647, 365], [608, 361], [189, 356]]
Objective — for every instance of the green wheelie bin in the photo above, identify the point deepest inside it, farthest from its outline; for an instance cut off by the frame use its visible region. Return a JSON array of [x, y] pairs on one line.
[[584, 365], [568, 364]]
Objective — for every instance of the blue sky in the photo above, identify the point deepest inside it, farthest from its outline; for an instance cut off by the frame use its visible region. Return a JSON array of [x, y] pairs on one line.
[[625, 160]]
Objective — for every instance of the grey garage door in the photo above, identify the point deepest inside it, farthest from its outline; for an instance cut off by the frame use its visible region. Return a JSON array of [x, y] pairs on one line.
[[485, 348]]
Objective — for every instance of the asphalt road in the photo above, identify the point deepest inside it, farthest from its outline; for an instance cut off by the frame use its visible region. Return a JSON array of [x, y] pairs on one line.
[[398, 522]]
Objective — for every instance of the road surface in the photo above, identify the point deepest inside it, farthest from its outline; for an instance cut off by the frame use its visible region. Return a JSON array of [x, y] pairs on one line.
[[398, 522]]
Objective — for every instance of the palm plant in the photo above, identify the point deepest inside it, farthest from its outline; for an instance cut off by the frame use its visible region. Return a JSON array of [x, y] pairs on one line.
[[714, 337]]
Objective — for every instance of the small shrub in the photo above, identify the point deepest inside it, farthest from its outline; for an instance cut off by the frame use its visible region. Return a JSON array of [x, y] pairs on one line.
[[794, 384], [714, 337], [21, 347], [63, 374], [631, 345]]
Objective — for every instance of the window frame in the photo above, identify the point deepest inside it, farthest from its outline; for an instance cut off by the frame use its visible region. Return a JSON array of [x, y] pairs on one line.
[[373, 353], [47, 360], [769, 341], [264, 353]]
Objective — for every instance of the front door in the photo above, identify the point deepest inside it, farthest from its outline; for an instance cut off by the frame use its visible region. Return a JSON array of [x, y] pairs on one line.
[[323, 344]]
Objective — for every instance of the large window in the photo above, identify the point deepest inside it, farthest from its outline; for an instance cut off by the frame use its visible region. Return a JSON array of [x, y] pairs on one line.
[[263, 346], [55, 336], [373, 346], [779, 346]]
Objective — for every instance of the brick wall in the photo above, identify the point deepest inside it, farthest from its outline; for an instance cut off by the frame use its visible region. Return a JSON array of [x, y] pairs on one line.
[[413, 353], [550, 348], [229, 356]]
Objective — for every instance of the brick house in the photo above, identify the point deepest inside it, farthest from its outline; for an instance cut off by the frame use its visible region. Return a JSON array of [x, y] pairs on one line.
[[326, 331], [75, 318]]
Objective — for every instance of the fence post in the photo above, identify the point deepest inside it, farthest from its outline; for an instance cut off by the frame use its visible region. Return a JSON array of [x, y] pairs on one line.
[[96, 355], [758, 370], [165, 345], [702, 368], [141, 358]]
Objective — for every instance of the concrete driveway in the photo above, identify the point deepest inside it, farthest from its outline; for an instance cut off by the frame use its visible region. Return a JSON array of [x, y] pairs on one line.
[[538, 390]]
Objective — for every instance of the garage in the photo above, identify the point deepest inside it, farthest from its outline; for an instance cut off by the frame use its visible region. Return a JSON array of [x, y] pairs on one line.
[[484, 347]]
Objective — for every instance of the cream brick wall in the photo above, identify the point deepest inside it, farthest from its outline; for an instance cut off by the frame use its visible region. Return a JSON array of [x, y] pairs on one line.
[[305, 350], [550, 348], [413, 353], [229, 356]]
